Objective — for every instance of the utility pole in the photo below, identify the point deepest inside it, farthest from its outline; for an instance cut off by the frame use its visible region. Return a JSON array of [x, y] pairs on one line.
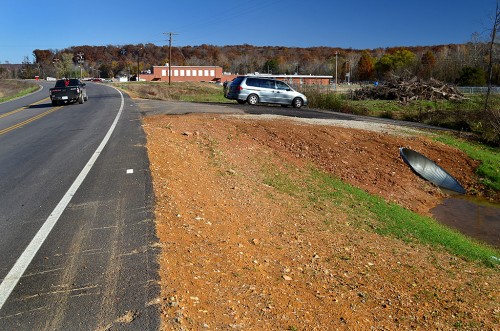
[[80, 61], [348, 72], [138, 71], [336, 58], [170, 34]]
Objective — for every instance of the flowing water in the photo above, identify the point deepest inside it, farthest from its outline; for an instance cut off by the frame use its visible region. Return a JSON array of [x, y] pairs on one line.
[[476, 218]]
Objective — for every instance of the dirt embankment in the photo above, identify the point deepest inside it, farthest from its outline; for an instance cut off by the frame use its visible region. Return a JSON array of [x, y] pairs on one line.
[[241, 255]]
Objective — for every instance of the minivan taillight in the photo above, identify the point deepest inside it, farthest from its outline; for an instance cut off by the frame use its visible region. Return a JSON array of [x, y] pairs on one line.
[[240, 88]]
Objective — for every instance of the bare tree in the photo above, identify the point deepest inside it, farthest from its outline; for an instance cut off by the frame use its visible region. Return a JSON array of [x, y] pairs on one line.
[[477, 50], [495, 115], [496, 26]]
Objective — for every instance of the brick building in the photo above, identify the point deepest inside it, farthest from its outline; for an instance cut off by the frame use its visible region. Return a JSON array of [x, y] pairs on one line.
[[186, 74], [216, 75]]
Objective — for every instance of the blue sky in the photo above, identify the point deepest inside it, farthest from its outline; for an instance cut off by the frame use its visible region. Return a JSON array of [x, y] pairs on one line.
[[360, 24]]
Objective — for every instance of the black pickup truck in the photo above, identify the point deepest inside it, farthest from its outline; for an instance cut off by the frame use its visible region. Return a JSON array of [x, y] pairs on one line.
[[68, 90]]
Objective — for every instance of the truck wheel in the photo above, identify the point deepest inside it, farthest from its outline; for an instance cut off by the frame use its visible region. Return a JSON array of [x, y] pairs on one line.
[[80, 99], [54, 103]]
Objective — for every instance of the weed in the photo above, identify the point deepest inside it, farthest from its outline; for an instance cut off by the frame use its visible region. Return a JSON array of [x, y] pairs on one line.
[[468, 115]]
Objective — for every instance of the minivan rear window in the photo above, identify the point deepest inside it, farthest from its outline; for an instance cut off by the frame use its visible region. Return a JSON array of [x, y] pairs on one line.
[[237, 81]]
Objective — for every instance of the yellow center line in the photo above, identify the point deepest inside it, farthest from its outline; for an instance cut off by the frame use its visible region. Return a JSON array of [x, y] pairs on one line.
[[29, 120], [23, 108]]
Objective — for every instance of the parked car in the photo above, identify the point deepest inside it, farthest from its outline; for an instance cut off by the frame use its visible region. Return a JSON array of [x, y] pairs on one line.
[[68, 90], [256, 90]]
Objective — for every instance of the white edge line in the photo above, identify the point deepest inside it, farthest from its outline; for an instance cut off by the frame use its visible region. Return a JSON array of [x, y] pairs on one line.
[[16, 272]]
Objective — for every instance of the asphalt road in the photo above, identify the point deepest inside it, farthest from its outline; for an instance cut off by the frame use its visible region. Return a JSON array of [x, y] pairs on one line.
[[155, 107], [76, 210]]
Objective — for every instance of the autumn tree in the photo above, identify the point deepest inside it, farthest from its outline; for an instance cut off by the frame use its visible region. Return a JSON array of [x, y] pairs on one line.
[[43, 56], [427, 64], [400, 63], [43, 59], [445, 65], [366, 67]]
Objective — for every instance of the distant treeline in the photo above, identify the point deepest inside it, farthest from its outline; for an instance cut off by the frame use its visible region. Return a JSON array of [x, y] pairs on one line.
[[463, 64]]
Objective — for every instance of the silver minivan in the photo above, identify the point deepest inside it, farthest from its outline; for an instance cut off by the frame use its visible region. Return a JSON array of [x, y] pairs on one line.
[[254, 89]]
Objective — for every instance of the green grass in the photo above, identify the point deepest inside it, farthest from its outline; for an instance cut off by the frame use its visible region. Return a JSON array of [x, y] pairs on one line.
[[11, 89], [489, 170], [282, 181], [375, 214]]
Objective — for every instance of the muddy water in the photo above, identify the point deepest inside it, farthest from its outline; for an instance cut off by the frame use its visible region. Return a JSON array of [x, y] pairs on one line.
[[476, 218]]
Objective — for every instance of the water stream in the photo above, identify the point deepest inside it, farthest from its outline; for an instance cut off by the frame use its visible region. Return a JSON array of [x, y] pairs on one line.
[[474, 217]]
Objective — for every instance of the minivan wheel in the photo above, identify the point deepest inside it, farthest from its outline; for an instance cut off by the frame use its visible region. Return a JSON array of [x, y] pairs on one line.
[[253, 99], [297, 103]]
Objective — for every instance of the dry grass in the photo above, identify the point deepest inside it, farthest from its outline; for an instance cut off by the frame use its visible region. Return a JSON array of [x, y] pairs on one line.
[[10, 89], [184, 91]]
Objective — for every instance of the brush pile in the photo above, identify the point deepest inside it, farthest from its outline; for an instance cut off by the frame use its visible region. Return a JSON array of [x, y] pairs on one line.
[[409, 90]]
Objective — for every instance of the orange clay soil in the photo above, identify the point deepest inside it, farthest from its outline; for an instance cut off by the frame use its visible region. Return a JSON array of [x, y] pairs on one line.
[[239, 254]]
